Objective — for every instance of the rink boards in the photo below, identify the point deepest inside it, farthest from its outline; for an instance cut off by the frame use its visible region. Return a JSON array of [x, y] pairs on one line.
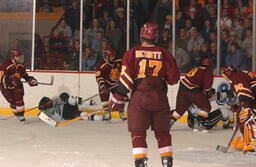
[[76, 84]]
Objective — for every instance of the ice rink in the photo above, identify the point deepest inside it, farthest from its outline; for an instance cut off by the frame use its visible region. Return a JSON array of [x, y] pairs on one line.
[[98, 144]]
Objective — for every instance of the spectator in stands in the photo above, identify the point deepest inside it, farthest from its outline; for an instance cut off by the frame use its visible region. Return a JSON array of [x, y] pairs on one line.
[[233, 38], [195, 41], [162, 9], [113, 6], [57, 42], [64, 28], [168, 23], [212, 16], [164, 39], [98, 7], [71, 61], [89, 59], [241, 6], [120, 19], [105, 19], [212, 37], [195, 17], [204, 52], [103, 46], [228, 7], [38, 50], [113, 34], [91, 34], [180, 20], [182, 39], [210, 4], [182, 58], [95, 42], [86, 21], [247, 22], [72, 17], [224, 47], [213, 53], [188, 26], [235, 56], [225, 20], [237, 14], [238, 28], [247, 48], [207, 28], [194, 46], [193, 6]]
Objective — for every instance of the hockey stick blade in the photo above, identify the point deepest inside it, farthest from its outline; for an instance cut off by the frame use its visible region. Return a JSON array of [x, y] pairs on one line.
[[223, 149], [44, 83]]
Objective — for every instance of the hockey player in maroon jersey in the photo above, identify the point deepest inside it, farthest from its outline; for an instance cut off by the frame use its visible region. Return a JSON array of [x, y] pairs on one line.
[[195, 88], [243, 84], [107, 75], [11, 86], [146, 71]]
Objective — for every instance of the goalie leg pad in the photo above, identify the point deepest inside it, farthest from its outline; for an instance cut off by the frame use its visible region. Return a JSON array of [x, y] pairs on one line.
[[47, 119], [212, 119]]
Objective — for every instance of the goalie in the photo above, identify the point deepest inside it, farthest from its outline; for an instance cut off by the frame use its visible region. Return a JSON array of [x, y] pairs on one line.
[[244, 85]]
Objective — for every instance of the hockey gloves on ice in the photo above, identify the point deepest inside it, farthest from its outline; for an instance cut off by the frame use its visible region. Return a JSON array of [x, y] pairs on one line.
[[117, 102]]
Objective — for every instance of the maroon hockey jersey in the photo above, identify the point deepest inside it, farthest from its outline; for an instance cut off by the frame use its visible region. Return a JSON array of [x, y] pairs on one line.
[[9, 69], [199, 77], [108, 73], [142, 62], [241, 83]]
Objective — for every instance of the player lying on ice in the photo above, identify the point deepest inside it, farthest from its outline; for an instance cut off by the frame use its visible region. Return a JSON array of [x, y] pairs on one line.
[[243, 83], [227, 103], [67, 107], [11, 73], [146, 71]]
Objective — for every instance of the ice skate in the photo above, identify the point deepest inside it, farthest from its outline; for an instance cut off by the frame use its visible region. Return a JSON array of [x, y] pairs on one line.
[[107, 116], [22, 119], [122, 116], [141, 162], [198, 127], [167, 161]]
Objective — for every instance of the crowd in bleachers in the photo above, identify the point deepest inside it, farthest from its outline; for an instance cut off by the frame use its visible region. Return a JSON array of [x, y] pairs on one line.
[[104, 26]]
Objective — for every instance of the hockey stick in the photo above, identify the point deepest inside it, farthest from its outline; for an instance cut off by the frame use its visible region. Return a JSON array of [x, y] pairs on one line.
[[99, 93], [224, 149], [43, 83], [54, 123], [11, 116]]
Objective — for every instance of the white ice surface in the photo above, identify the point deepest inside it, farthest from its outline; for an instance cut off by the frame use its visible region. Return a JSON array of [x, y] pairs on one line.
[[98, 144]]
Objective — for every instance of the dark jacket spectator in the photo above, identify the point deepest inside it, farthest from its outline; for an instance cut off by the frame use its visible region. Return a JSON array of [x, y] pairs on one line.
[[72, 17], [235, 56]]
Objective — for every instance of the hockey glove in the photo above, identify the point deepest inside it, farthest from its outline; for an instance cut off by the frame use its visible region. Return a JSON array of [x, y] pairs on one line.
[[210, 93], [103, 88], [117, 102], [32, 82]]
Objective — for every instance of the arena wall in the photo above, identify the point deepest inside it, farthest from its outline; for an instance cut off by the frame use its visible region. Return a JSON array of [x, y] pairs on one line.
[[77, 84]]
